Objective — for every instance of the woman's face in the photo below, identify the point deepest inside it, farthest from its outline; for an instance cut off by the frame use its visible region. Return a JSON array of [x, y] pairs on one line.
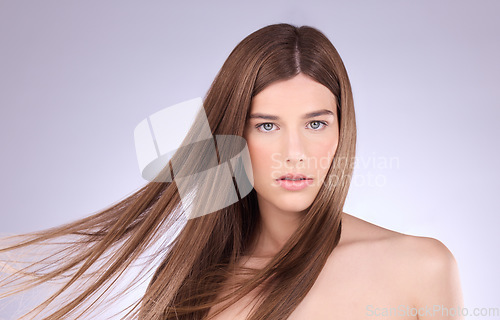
[[292, 129]]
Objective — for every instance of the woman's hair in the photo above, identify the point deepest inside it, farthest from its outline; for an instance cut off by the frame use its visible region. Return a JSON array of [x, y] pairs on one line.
[[192, 261]]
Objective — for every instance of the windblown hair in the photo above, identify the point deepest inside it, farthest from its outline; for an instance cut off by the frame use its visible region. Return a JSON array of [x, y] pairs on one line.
[[193, 260]]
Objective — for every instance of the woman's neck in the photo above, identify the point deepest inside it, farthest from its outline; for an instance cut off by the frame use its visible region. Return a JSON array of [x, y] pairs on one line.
[[275, 228]]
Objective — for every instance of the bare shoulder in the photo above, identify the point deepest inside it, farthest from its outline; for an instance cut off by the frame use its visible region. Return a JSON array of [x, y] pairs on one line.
[[424, 265], [416, 249], [421, 252]]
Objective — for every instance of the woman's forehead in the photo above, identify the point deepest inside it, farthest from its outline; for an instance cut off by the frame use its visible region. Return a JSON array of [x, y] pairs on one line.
[[301, 94]]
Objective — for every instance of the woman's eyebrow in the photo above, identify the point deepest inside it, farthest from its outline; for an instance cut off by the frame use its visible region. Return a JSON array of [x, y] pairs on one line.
[[306, 116]]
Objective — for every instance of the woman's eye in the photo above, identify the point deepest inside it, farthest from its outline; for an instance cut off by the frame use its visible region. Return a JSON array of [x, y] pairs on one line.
[[266, 126], [315, 125]]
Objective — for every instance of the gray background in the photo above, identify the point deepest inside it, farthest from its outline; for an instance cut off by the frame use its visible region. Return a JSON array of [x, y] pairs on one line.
[[77, 77]]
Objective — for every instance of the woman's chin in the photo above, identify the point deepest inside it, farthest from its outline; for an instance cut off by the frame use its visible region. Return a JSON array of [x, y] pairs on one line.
[[284, 200], [293, 206]]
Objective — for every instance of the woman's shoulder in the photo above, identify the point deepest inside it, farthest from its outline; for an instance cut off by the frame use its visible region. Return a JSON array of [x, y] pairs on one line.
[[420, 262], [365, 235]]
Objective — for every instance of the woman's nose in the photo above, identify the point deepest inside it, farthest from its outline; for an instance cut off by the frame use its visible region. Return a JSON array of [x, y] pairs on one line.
[[294, 148]]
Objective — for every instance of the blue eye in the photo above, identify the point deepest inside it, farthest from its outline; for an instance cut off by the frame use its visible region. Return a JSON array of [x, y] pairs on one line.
[[318, 125], [268, 126]]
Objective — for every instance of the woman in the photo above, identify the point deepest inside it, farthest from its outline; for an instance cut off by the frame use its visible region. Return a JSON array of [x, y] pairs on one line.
[[284, 251]]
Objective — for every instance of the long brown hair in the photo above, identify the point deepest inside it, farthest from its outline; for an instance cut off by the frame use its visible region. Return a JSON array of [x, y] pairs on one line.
[[192, 260]]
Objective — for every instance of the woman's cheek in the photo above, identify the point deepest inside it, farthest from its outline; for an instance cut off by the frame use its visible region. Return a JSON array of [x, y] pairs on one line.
[[256, 156]]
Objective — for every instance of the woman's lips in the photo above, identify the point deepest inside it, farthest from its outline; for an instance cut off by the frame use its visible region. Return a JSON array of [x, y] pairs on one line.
[[294, 176], [291, 185]]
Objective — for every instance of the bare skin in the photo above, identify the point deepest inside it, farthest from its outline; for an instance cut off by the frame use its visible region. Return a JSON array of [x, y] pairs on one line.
[[372, 269], [375, 273]]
